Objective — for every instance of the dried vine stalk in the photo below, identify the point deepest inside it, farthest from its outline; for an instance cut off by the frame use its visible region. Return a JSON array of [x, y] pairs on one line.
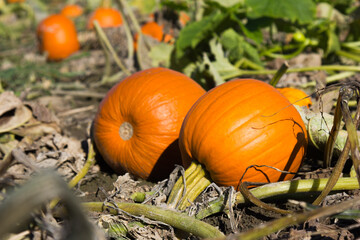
[[345, 94]]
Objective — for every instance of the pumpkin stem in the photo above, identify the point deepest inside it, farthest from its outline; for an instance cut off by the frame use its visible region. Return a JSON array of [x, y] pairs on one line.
[[178, 188], [196, 180], [280, 72], [126, 131]]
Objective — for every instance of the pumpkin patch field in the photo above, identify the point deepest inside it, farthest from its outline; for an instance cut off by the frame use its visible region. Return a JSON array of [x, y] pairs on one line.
[[178, 119]]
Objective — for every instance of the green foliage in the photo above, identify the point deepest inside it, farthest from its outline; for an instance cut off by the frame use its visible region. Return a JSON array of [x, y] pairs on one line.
[[238, 47], [296, 11], [226, 4], [196, 32], [244, 34]]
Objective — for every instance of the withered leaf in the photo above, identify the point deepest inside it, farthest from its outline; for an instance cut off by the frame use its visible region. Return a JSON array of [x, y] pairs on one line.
[[13, 113]]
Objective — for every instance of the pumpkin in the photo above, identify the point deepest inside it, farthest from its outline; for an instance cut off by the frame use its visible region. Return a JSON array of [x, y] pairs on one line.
[[72, 11], [137, 125], [296, 96], [183, 18], [57, 37], [151, 29], [107, 17], [242, 123]]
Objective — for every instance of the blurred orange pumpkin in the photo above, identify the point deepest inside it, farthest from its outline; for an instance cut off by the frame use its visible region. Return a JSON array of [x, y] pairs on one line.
[[183, 18], [153, 30], [72, 11], [57, 37], [106, 17]]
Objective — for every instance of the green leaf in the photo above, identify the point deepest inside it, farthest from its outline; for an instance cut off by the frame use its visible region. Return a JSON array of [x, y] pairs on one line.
[[302, 11], [238, 47], [195, 32], [221, 67], [160, 54], [213, 70], [250, 30], [333, 43], [145, 7], [225, 3]]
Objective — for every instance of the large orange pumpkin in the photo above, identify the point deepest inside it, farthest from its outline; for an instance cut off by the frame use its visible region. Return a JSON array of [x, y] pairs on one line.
[[137, 125], [296, 96], [57, 36], [241, 123], [107, 17]]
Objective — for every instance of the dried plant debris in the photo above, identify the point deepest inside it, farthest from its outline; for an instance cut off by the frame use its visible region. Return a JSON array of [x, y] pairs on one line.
[[127, 227], [13, 113], [51, 151]]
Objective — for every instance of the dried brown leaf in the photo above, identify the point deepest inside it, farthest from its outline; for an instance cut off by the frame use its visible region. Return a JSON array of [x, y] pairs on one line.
[[12, 112]]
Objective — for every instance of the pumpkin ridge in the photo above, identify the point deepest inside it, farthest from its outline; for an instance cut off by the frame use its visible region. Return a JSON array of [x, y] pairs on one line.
[[217, 96], [132, 162], [234, 103]]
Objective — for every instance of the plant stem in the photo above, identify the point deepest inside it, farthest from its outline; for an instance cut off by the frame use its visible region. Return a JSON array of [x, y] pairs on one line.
[[176, 219], [349, 55], [331, 79], [291, 55], [129, 37], [279, 188], [199, 184], [108, 45], [90, 160], [334, 178], [133, 19], [178, 188], [294, 219], [196, 180], [282, 70], [291, 70], [248, 63], [334, 132]]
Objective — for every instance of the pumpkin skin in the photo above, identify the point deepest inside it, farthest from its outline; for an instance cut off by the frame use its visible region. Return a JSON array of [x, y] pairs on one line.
[[72, 11], [150, 105], [58, 37], [240, 123], [106, 17], [296, 96]]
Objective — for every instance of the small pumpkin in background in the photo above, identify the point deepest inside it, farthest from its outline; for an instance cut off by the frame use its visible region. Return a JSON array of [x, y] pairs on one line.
[[106, 16], [137, 126], [151, 29], [296, 96], [72, 11], [183, 18], [57, 37]]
